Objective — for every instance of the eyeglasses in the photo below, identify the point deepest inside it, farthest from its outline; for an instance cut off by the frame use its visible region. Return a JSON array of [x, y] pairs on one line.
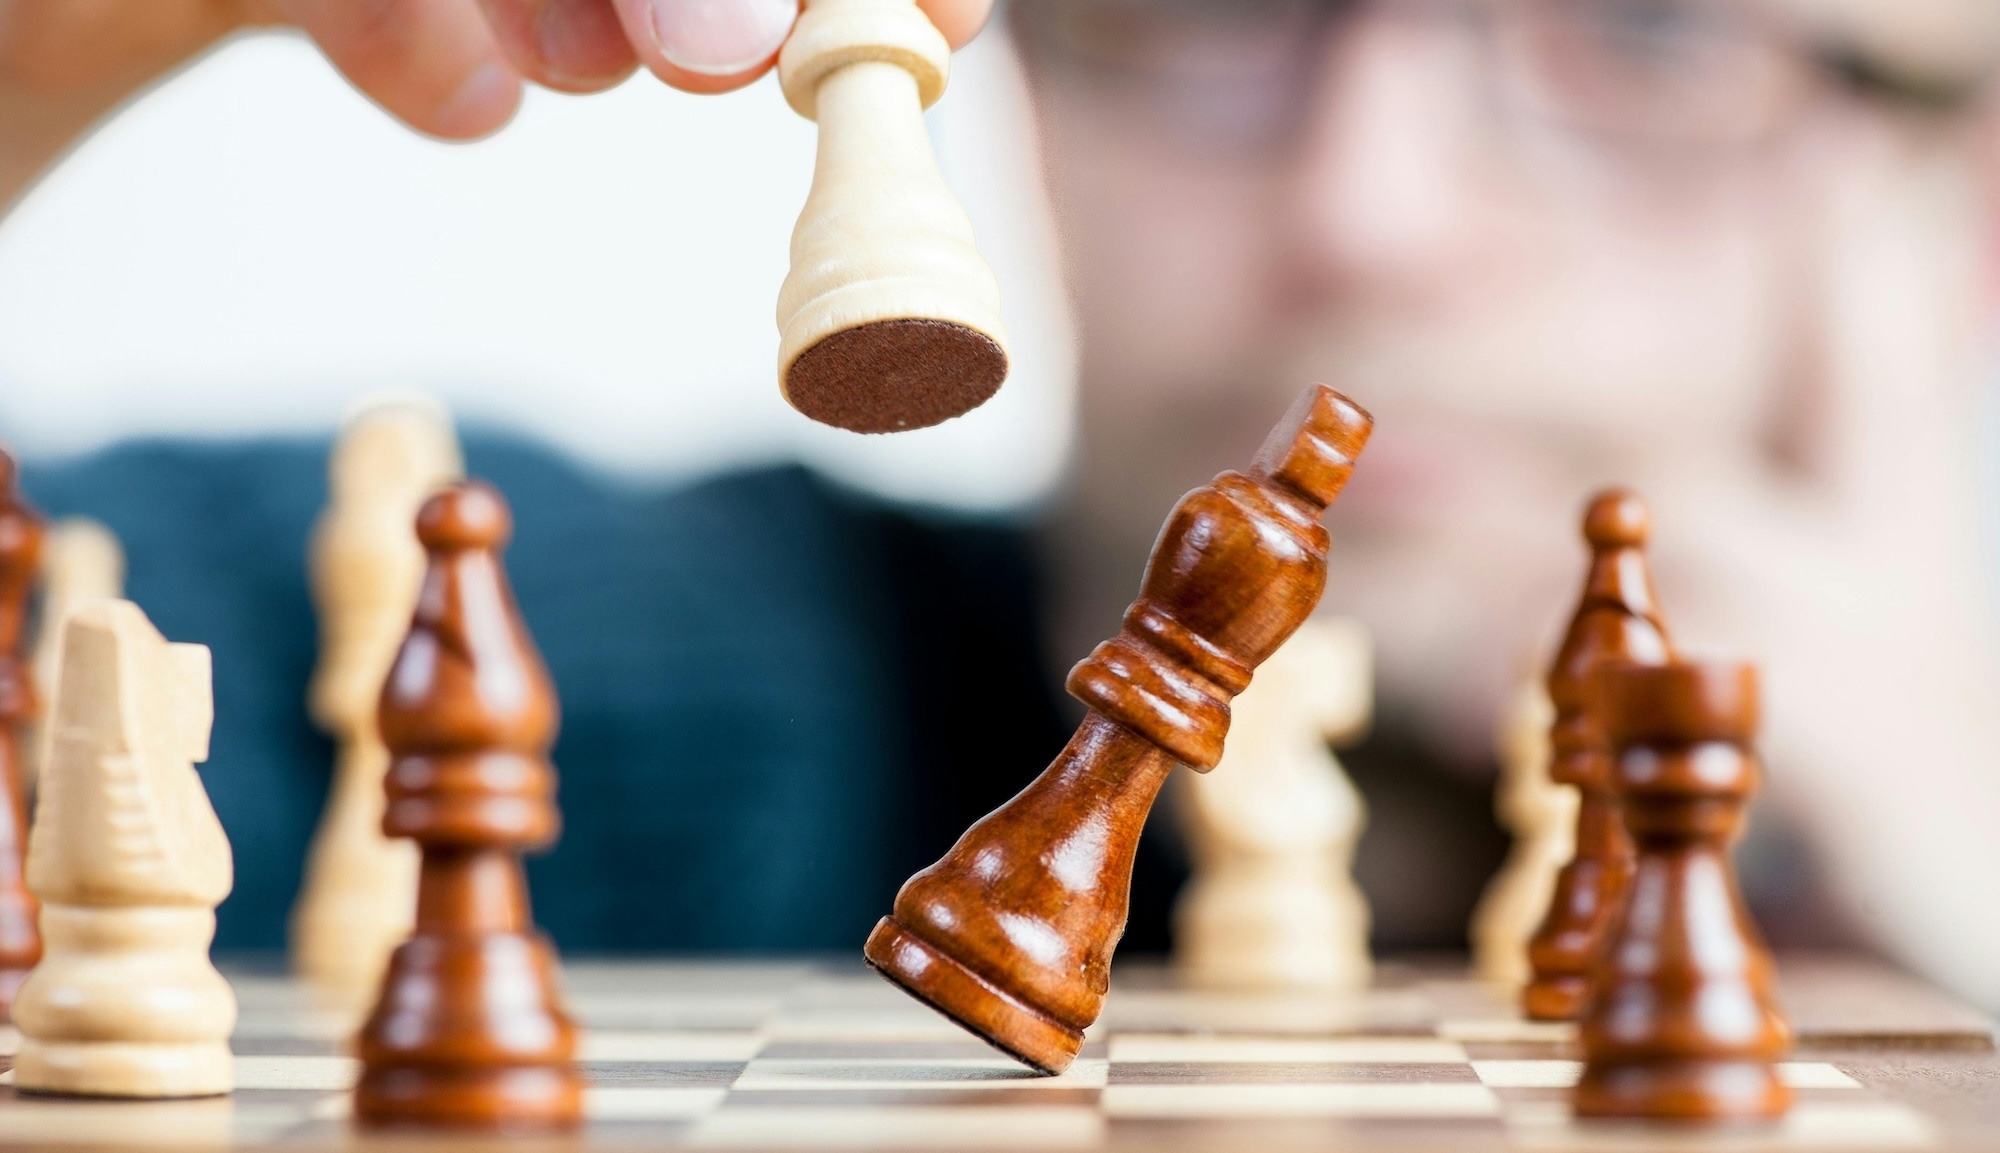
[[1699, 76]]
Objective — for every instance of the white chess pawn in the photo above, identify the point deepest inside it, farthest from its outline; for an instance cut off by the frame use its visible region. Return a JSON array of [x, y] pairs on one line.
[[890, 318], [358, 899], [1272, 903], [81, 560], [1542, 816], [129, 862]]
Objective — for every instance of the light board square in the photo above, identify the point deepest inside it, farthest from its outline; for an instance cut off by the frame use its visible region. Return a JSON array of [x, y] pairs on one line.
[[1171, 1048]]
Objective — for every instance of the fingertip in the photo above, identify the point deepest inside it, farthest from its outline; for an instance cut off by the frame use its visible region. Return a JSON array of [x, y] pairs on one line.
[[482, 105], [708, 84], [959, 20], [433, 64], [708, 46], [568, 45]]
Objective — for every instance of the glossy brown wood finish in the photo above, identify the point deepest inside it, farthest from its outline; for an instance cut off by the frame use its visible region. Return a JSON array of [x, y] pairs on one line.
[[1682, 1023], [21, 532], [1617, 618], [470, 1028], [1011, 934]]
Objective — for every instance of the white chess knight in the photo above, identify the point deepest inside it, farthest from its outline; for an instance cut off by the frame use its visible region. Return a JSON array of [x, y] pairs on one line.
[[1542, 816], [81, 560], [358, 900], [129, 862], [1273, 903]]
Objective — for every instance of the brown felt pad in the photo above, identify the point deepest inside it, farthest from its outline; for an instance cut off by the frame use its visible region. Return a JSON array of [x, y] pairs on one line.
[[895, 375]]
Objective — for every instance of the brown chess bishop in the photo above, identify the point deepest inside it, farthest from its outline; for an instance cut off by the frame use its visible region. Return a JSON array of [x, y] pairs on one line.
[[469, 1029], [1011, 933]]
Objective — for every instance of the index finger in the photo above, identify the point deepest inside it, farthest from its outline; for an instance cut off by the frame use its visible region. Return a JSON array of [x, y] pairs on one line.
[[959, 20]]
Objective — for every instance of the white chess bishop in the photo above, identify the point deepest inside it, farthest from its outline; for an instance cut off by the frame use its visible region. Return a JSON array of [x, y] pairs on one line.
[[1541, 815], [129, 861], [359, 897], [1272, 903]]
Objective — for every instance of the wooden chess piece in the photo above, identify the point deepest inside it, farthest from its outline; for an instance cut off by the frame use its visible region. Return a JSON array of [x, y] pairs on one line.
[[1617, 619], [890, 318], [469, 1029], [1682, 1023], [129, 862], [359, 897], [1541, 815], [81, 561], [20, 553], [1011, 933], [1272, 902]]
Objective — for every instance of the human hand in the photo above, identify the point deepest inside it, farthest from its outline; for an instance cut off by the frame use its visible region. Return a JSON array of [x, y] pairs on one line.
[[449, 68], [452, 68]]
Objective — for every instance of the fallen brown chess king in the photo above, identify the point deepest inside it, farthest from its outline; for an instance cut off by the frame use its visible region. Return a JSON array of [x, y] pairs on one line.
[[1011, 933]]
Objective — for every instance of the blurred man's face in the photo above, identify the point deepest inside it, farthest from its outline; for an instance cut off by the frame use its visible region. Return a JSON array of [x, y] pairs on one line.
[[1547, 242]]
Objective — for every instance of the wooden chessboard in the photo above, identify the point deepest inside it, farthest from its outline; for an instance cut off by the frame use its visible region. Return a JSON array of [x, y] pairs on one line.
[[827, 1055]]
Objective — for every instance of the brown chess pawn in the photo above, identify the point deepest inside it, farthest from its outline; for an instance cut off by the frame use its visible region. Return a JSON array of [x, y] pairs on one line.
[[1011, 933], [469, 1029], [1618, 618], [1682, 1023], [20, 558]]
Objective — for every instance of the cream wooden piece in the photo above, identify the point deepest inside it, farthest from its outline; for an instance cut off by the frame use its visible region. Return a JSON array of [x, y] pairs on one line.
[[129, 862], [358, 900], [881, 236], [1272, 903], [1542, 816], [81, 560]]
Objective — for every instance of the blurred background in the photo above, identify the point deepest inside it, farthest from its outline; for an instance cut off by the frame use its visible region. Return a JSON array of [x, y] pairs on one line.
[[1740, 255]]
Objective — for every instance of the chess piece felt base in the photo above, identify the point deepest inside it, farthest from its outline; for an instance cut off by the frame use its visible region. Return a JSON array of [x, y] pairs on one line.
[[893, 375], [976, 1004], [1682, 1090]]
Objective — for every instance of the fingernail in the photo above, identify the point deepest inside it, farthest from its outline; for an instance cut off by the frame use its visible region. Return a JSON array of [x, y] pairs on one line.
[[483, 103], [721, 37]]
